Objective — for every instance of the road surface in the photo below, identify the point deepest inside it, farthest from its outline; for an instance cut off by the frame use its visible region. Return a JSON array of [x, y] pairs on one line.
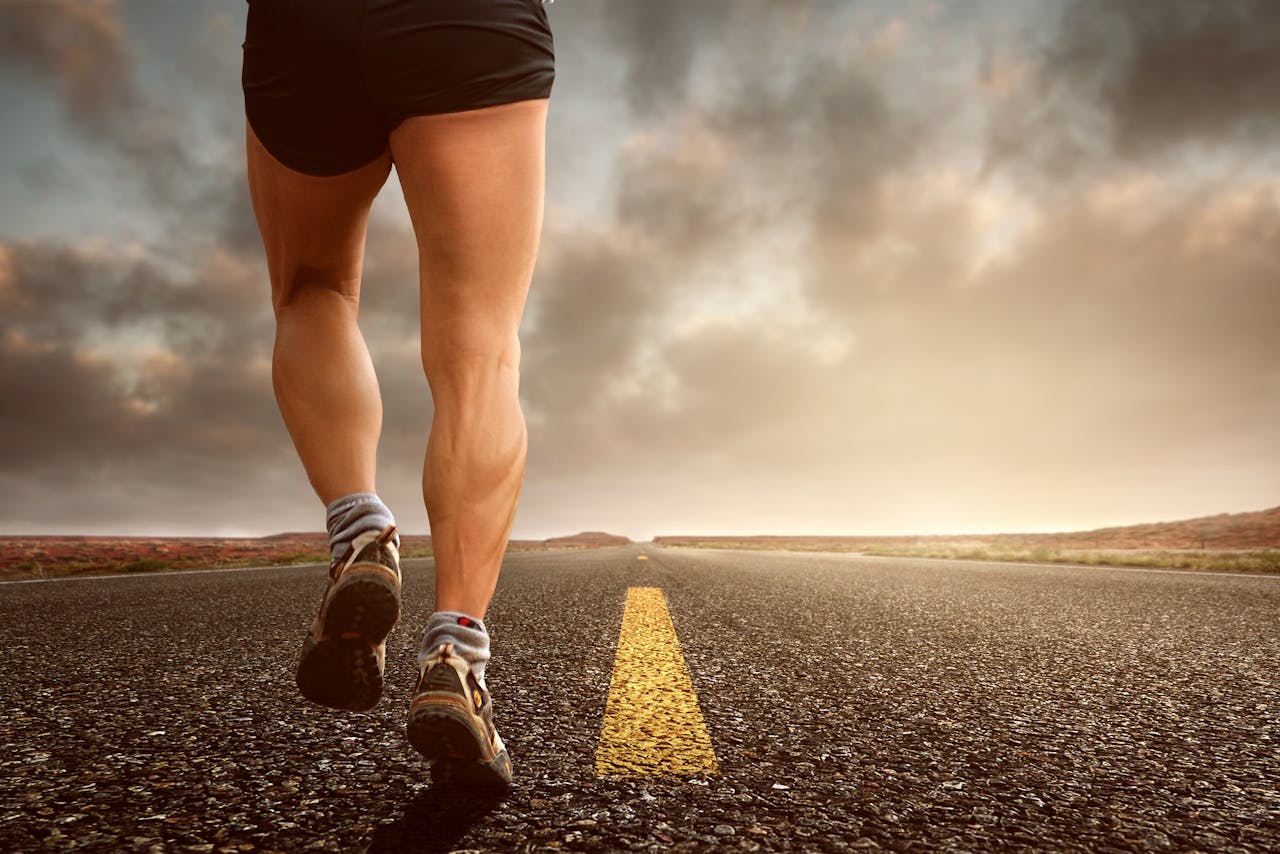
[[850, 703]]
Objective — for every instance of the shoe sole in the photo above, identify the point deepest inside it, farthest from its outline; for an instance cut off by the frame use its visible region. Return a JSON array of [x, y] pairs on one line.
[[365, 606], [342, 671], [445, 734]]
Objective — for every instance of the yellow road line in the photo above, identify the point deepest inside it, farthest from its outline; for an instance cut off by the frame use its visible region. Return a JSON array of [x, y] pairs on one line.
[[652, 723]]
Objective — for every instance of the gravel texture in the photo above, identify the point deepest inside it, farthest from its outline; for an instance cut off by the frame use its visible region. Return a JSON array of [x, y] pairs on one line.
[[853, 703]]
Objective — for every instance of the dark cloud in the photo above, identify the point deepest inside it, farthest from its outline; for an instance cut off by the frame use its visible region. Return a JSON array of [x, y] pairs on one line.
[[146, 390], [792, 136], [681, 193], [1203, 72], [80, 48], [660, 40], [161, 352], [1137, 81], [70, 417], [599, 296], [67, 293]]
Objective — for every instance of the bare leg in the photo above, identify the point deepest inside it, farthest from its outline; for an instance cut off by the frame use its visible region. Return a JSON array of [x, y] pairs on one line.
[[474, 184], [313, 230]]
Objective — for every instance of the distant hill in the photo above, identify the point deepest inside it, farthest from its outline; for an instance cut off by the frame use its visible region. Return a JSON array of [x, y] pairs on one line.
[[1254, 530], [1257, 529]]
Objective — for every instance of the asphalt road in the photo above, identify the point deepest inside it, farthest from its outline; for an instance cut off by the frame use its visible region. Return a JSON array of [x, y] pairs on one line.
[[852, 703]]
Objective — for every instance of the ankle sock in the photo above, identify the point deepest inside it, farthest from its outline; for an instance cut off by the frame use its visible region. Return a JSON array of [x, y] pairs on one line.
[[351, 515], [469, 636]]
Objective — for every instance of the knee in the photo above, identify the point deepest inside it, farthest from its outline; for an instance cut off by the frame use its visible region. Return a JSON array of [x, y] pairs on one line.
[[469, 353], [307, 285]]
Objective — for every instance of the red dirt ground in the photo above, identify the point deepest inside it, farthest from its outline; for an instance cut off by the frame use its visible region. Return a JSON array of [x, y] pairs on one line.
[[35, 556]]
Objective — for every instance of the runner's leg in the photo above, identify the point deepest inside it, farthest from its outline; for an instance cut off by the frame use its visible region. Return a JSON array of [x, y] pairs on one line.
[[313, 229], [474, 183]]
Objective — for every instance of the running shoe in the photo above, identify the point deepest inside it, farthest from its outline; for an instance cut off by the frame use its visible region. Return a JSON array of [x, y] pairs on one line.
[[344, 654], [451, 724]]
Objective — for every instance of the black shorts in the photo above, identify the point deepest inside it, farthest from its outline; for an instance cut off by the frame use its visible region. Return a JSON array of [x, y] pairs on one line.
[[326, 81]]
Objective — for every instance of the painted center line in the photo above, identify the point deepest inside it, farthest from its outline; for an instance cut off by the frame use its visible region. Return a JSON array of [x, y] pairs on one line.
[[652, 723]]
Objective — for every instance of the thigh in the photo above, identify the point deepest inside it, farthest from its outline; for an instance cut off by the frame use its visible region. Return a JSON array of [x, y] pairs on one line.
[[474, 182], [313, 227]]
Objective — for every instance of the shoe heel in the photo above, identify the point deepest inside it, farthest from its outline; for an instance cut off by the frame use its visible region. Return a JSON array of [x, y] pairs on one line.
[[340, 675], [457, 759], [442, 734], [365, 607], [480, 775]]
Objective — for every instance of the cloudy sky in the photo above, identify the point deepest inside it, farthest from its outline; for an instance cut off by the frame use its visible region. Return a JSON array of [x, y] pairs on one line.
[[807, 267]]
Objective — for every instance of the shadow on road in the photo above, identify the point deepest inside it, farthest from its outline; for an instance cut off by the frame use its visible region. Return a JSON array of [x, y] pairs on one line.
[[435, 820]]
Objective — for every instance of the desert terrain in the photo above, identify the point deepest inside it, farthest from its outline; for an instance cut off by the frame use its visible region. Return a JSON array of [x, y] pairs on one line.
[[1237, 542], [62, 555]]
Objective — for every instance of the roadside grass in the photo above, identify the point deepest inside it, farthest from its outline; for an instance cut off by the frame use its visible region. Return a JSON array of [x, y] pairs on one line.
[[56, 568], [1208, 560], [1259, 560], [68, 568]]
